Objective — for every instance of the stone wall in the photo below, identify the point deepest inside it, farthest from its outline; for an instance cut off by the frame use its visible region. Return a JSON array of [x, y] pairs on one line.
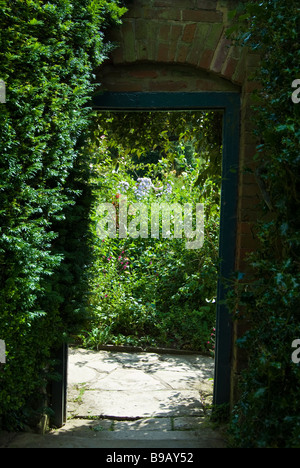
[[181, 46]]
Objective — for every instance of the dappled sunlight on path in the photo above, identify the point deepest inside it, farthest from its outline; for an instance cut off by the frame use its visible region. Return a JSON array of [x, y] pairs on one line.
[[134, 400]]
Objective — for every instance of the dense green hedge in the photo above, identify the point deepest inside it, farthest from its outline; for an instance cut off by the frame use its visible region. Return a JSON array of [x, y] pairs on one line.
[[48, 51], [267, 414]]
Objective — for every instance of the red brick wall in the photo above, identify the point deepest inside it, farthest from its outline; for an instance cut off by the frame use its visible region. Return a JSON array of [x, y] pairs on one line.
[[179, 32], [181, 46]]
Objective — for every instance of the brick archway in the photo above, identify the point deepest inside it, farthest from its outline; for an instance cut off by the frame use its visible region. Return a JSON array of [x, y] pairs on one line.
[[182, 32], [180, 46]]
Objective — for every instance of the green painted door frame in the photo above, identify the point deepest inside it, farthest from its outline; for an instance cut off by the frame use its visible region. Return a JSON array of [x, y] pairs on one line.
[[229, 103]]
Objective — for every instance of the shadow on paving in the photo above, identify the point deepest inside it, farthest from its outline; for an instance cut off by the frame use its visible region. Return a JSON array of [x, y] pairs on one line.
[[134, 400]]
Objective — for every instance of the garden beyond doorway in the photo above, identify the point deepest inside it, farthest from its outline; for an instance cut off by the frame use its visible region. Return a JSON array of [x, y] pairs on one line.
[[153, 291]]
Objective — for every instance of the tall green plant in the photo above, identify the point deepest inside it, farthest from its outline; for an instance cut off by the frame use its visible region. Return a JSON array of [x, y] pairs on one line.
[[48, 53]]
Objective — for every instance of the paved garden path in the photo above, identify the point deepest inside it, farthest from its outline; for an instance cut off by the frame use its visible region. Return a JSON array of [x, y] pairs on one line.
[[134, 400]]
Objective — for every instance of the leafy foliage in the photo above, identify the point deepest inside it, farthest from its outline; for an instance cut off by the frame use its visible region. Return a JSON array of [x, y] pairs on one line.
[[47, 56], [160, 132], [155, 291], [267, 414]]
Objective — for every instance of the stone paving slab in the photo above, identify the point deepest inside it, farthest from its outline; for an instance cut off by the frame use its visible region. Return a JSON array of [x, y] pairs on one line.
[[116, 381], [54, 441], [152, 433], [137, 385], [139, 404], [133, 400]]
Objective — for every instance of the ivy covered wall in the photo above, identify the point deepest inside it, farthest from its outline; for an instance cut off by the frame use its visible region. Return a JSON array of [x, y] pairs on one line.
[[268, 406]]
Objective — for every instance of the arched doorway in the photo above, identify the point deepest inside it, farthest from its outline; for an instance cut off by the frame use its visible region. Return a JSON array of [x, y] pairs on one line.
[[177, 56]]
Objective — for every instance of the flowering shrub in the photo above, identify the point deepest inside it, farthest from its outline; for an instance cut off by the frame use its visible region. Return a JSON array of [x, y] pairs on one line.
[[143, 188]]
